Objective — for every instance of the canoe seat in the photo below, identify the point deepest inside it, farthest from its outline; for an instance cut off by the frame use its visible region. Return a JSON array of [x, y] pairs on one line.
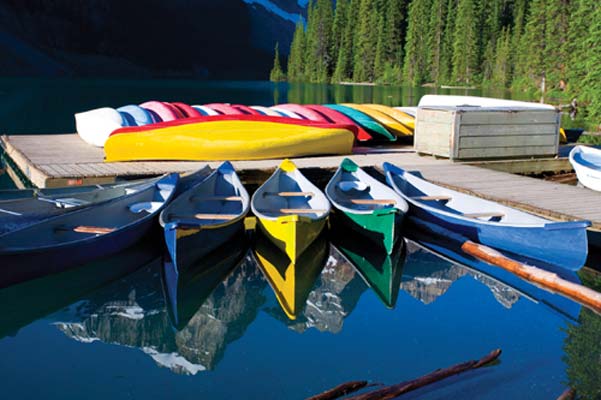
[[494, 215], [216, 198], [148, 206], [293, 211], [64, 202], [205, 216], [289, 194], [385, 202], [432, 198], [98, 230]]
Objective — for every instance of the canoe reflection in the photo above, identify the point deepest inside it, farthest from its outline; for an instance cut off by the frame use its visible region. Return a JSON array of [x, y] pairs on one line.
[[291, 281]]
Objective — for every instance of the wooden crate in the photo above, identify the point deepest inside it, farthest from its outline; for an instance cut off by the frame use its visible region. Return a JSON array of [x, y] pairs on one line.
[[469, 133]]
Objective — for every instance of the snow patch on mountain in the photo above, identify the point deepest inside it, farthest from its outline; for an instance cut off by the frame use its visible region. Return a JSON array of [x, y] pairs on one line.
[[275, 9]]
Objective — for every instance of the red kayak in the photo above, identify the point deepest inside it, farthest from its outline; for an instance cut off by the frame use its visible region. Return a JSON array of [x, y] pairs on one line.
[[304, 112], [242, 117], [225, 109], [339, 118], [165, 111], [246, 109], [186, 110]]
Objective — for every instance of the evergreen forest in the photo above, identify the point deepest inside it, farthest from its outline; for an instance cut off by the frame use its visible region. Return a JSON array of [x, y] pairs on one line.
[[524, 45]]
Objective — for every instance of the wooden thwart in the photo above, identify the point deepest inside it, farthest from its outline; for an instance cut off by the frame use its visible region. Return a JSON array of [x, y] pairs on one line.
[[372, 201], [290, 194], [432, 198], [203, 216], [484, 215], [99, 230], [216, 198], [293, 211]]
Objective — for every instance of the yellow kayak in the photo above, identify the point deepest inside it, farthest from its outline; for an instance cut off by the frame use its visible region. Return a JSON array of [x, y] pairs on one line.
[[403, 118], [291, 211], [227, 140], [389, 123], [291, 281]]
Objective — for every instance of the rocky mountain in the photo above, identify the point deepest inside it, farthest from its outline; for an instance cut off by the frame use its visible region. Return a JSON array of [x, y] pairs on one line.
[[187, 38], [132, 313]]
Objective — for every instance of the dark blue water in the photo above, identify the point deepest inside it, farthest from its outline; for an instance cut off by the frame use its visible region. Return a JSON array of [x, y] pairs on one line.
[[106, 330]]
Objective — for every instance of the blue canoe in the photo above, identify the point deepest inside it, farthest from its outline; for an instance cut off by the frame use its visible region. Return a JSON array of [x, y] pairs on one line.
[[65, 241], [20, 208], [535, 239], [207, 215]]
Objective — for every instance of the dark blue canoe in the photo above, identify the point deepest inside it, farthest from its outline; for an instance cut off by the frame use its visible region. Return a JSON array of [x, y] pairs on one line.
[[204, 217], [64, 241], [561, 244]]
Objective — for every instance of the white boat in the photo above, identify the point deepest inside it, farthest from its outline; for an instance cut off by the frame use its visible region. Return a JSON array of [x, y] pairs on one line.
[[435, 100], [587, 164], [95, 126]]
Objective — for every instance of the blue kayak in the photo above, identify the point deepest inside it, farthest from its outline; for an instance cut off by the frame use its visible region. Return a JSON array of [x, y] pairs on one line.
[[67, 240], [533, 238]]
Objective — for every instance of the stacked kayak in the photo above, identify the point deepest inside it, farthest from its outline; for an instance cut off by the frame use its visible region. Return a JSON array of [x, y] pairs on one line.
[[244, 137], [372, 122]]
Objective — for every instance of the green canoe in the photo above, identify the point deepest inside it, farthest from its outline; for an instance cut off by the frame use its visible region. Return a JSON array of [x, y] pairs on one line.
[[366, 205]]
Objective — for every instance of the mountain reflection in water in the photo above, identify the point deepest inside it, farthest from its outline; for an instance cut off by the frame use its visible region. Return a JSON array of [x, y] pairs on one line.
[[133, 312]]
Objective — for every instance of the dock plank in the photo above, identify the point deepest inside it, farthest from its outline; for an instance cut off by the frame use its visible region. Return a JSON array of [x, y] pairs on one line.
[[64, 159]]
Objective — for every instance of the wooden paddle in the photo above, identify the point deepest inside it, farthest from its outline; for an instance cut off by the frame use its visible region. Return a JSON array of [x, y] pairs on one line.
[[372, 201], [216, 198], [289, 194], [540, 277]]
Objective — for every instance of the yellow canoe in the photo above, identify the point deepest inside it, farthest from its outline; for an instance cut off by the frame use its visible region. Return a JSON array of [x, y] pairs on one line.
[[403, 118], [227, 140], [389, 123], [291, 211], [291, 281]]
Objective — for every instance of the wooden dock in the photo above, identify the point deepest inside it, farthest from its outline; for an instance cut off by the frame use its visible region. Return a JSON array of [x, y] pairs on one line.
[[59, 160]]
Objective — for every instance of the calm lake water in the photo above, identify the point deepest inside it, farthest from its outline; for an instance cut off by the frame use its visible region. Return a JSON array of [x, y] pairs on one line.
[[110, 329]]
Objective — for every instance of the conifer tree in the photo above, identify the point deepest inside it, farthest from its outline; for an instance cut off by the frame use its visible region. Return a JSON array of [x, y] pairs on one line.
[[319, 30], [530, 65], [394, 30], [365, 52], [502, 68], [344, 60], [465, 51], [591, 84], [556, 34], [381, 58], [276, 74], [339, 26], [297, 52], [446, 51], [436, 37], [576, 47], [490, 28], [416, 49]]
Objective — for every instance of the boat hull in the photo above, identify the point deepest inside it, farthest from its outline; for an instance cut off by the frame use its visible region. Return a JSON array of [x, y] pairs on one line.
[[381, 227], [377, 131], [228, 140], [292, 234], [188, 245], [587, 171]]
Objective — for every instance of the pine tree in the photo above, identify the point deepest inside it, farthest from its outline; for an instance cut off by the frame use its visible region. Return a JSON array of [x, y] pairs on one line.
[[344, 60], [276, 74], [296, 65], [465, 50], [416, 49], [339, 26], [381, 58], [592, 79], [576, 46], [393, 11], [365, 52], [502, 69], [556, 35], [318, 44], [490, 28], [530, 66], [436, 37], [446, 51]]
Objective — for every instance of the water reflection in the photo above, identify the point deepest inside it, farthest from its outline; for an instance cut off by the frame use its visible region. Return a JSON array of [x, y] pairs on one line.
[[291, 281], [381, 271]]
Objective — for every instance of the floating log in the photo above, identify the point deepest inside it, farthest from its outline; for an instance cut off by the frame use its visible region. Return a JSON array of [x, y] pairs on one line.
[[568, 394], [549, 280], [340, 390], [393, 391]]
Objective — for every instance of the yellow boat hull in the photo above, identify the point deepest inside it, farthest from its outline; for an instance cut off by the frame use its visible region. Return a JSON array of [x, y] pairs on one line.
[[292, 233], [389, 123], [228, 140], [400, 116]]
